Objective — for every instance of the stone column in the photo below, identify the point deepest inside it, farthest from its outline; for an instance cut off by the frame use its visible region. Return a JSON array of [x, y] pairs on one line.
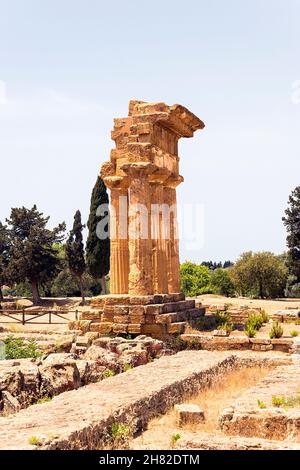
[[140, 246], [172, 241], [119, 250], [159, 258]]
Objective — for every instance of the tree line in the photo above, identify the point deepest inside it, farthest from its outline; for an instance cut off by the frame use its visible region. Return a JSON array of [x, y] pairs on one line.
[[263, 274], [35, 257]]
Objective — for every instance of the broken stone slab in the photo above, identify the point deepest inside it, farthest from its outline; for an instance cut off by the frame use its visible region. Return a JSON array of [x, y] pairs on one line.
[[187, 413], [102, 356], [59, 373], [8, 404], [220, 333]]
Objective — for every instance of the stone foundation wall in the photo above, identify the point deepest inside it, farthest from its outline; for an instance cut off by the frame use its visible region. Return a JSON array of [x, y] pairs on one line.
[[157, 315]]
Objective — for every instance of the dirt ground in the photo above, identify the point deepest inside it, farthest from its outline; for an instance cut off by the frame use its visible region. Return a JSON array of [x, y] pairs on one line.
[[270, 306], [41, 325]]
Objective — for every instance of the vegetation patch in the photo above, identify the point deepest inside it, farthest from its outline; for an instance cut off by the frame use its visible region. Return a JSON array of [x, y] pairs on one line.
[[16, 348], [276, 330]]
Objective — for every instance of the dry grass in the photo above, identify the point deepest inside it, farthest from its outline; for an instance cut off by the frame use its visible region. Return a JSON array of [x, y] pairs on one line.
[[212, 401]]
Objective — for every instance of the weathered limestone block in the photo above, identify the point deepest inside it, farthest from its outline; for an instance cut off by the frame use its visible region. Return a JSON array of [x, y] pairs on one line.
[[93, 315], [83, 325], [121, 328], [59, 373], [155, 330], [189, 414], [176, 328], [135, 328], [8, 404], [105, 327], [102, 356], [121, 319]]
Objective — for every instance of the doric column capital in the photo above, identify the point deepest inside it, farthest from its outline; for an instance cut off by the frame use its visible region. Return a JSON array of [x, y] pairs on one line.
[[173, 181], [116, 182], [138, 169]]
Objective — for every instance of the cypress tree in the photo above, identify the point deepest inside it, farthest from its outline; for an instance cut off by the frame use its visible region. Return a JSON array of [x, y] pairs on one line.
[[98, 249], [4, 255], [33, 255], [75, 252], [292, 224]]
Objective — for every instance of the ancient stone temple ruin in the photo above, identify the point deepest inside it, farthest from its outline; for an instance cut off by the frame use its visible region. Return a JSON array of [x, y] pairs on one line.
[[142, 175]]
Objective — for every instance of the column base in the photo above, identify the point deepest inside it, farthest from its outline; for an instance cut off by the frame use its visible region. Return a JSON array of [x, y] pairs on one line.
[[157, 315]]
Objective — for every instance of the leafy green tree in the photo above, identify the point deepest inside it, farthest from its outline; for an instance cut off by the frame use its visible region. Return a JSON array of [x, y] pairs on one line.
[[292, 224], [65, 285], [75, 252], [292, 287], [195, 279], [33, 254], [98, 247], [4, 255], [260, 274], [221, 282]]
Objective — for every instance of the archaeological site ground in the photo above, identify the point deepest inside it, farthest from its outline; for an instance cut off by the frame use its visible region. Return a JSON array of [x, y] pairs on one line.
[[145, 367]]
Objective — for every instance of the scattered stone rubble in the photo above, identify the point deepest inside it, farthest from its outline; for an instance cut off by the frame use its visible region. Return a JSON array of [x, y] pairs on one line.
[[189, 414], [25, 381]]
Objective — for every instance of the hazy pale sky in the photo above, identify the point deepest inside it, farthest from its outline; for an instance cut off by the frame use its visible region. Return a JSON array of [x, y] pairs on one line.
[[68, 67]]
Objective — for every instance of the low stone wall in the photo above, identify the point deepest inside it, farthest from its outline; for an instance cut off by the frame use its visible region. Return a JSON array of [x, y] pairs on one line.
[[218, 343], [82, 419], [246, 418]]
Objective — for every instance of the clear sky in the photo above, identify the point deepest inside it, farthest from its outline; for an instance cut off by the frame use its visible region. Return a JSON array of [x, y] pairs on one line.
[[70, 66]]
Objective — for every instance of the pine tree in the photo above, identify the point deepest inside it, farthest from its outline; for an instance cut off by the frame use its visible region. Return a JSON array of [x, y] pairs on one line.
[[33, 255], [4, 255], [97, 249], [75, 252], [292, 224]]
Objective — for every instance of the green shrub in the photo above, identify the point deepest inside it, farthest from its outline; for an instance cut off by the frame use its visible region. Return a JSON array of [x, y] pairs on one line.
[[120, 435], [255, 321], [265, 317], [16, 348], [195, 279], [222, 317], [43, 400], [261, 404], [127, 367], [276, 330], [250, 331], [108, 373], [278, 401], [294, 333], [34, 441], [286, 402], [174, 439]]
